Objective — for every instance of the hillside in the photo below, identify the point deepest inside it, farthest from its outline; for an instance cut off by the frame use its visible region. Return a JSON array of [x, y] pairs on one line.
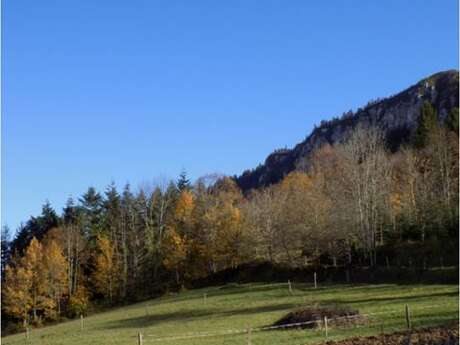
[[396, 115], [224, 317]]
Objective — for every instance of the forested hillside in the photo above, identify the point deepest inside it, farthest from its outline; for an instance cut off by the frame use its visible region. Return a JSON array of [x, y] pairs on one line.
[[356, 203], [397, 116]]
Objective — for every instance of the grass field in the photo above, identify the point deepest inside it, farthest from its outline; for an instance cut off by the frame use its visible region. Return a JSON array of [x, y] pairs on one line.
[[237, 307]]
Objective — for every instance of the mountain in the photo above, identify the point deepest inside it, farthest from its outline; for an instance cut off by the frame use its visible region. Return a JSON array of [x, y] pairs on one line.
[[397, 115]]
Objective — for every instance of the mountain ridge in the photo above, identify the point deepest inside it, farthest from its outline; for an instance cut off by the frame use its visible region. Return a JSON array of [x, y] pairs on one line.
[[397, 115]]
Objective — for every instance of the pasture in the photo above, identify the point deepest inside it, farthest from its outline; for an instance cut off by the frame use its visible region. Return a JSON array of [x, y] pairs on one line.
[[227, 311]]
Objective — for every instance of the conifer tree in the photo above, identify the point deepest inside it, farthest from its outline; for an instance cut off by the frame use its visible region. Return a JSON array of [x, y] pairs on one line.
[[91, 204], [183, 183], [452, 120], [5, 248], [426, 124]]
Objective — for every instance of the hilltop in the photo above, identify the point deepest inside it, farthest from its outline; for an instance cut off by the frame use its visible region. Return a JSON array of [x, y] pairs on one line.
[[397, 115]]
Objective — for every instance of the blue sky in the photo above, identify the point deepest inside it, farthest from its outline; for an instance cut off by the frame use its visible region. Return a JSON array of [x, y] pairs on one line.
[[95, 91]]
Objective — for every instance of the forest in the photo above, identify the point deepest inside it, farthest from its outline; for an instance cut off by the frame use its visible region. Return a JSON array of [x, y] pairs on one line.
[[357, 204]]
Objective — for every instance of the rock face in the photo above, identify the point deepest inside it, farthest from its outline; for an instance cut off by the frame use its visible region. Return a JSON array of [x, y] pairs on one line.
[[396, 115]]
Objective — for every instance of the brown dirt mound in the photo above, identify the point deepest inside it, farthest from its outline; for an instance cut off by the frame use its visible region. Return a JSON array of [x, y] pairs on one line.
[[447, 335], [315, 315]]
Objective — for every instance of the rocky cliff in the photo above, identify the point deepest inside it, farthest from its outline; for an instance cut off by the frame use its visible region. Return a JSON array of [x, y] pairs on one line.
[[396, 115]]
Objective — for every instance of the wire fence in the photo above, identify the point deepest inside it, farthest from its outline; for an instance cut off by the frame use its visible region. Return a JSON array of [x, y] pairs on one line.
[[319, 331], [321, 323]]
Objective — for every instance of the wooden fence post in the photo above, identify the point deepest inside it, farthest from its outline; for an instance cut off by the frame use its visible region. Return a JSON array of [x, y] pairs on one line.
[[325, 325], [290, 287], [314, 278], [249, 335], [27, 333], [408, 323], [81, 322], [139, 338]]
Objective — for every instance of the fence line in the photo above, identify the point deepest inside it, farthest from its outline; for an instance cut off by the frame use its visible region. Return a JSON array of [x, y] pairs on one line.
[[192, 335]]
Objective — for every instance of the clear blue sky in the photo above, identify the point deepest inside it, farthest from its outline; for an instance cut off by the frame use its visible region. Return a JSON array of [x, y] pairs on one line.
[[94, 91]]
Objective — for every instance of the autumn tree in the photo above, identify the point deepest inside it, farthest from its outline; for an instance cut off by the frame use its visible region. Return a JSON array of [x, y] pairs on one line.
[[55, 266], [175, 253], [366, 168], [34, 262], [16, 291], [105, 275], [78, 301], [261, 214]]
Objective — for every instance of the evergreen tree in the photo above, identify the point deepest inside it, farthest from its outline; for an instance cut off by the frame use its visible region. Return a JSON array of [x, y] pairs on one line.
[[426, 124], [5, 248], [71, 213], [183, 183], [112, 211], [35, 227], [452, 120], [91, 204], [47, 220]]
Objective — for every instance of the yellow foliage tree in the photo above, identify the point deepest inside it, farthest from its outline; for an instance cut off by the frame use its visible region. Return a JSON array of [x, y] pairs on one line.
[[79, 301], [27, 285], [56, 270], [105, 273], [184, 210], [175, 252], [222, 221], [33, 261], [16, 297]]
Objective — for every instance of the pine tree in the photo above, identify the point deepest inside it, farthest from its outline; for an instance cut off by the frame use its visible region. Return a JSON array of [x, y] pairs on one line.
[[5, 248], [183, 183], [91, 204], [35, 227], [452, 120], [426, 124], [71, 213]]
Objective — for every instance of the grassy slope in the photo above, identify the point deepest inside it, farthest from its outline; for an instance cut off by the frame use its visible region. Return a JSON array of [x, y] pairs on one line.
[[238, 307]]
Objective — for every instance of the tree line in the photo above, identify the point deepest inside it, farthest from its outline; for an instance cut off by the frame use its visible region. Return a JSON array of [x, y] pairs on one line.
[[354, 199]]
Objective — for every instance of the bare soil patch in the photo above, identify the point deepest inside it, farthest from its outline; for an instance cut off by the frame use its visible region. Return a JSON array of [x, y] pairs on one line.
[[447, 335]]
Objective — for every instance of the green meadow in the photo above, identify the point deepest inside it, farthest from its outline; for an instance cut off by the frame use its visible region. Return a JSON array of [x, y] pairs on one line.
[[189, 318]]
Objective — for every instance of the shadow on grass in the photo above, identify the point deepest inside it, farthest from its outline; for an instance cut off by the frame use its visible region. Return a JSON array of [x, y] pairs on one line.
[[187, 315], [334, 288], [396, 298], [153, 319]]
